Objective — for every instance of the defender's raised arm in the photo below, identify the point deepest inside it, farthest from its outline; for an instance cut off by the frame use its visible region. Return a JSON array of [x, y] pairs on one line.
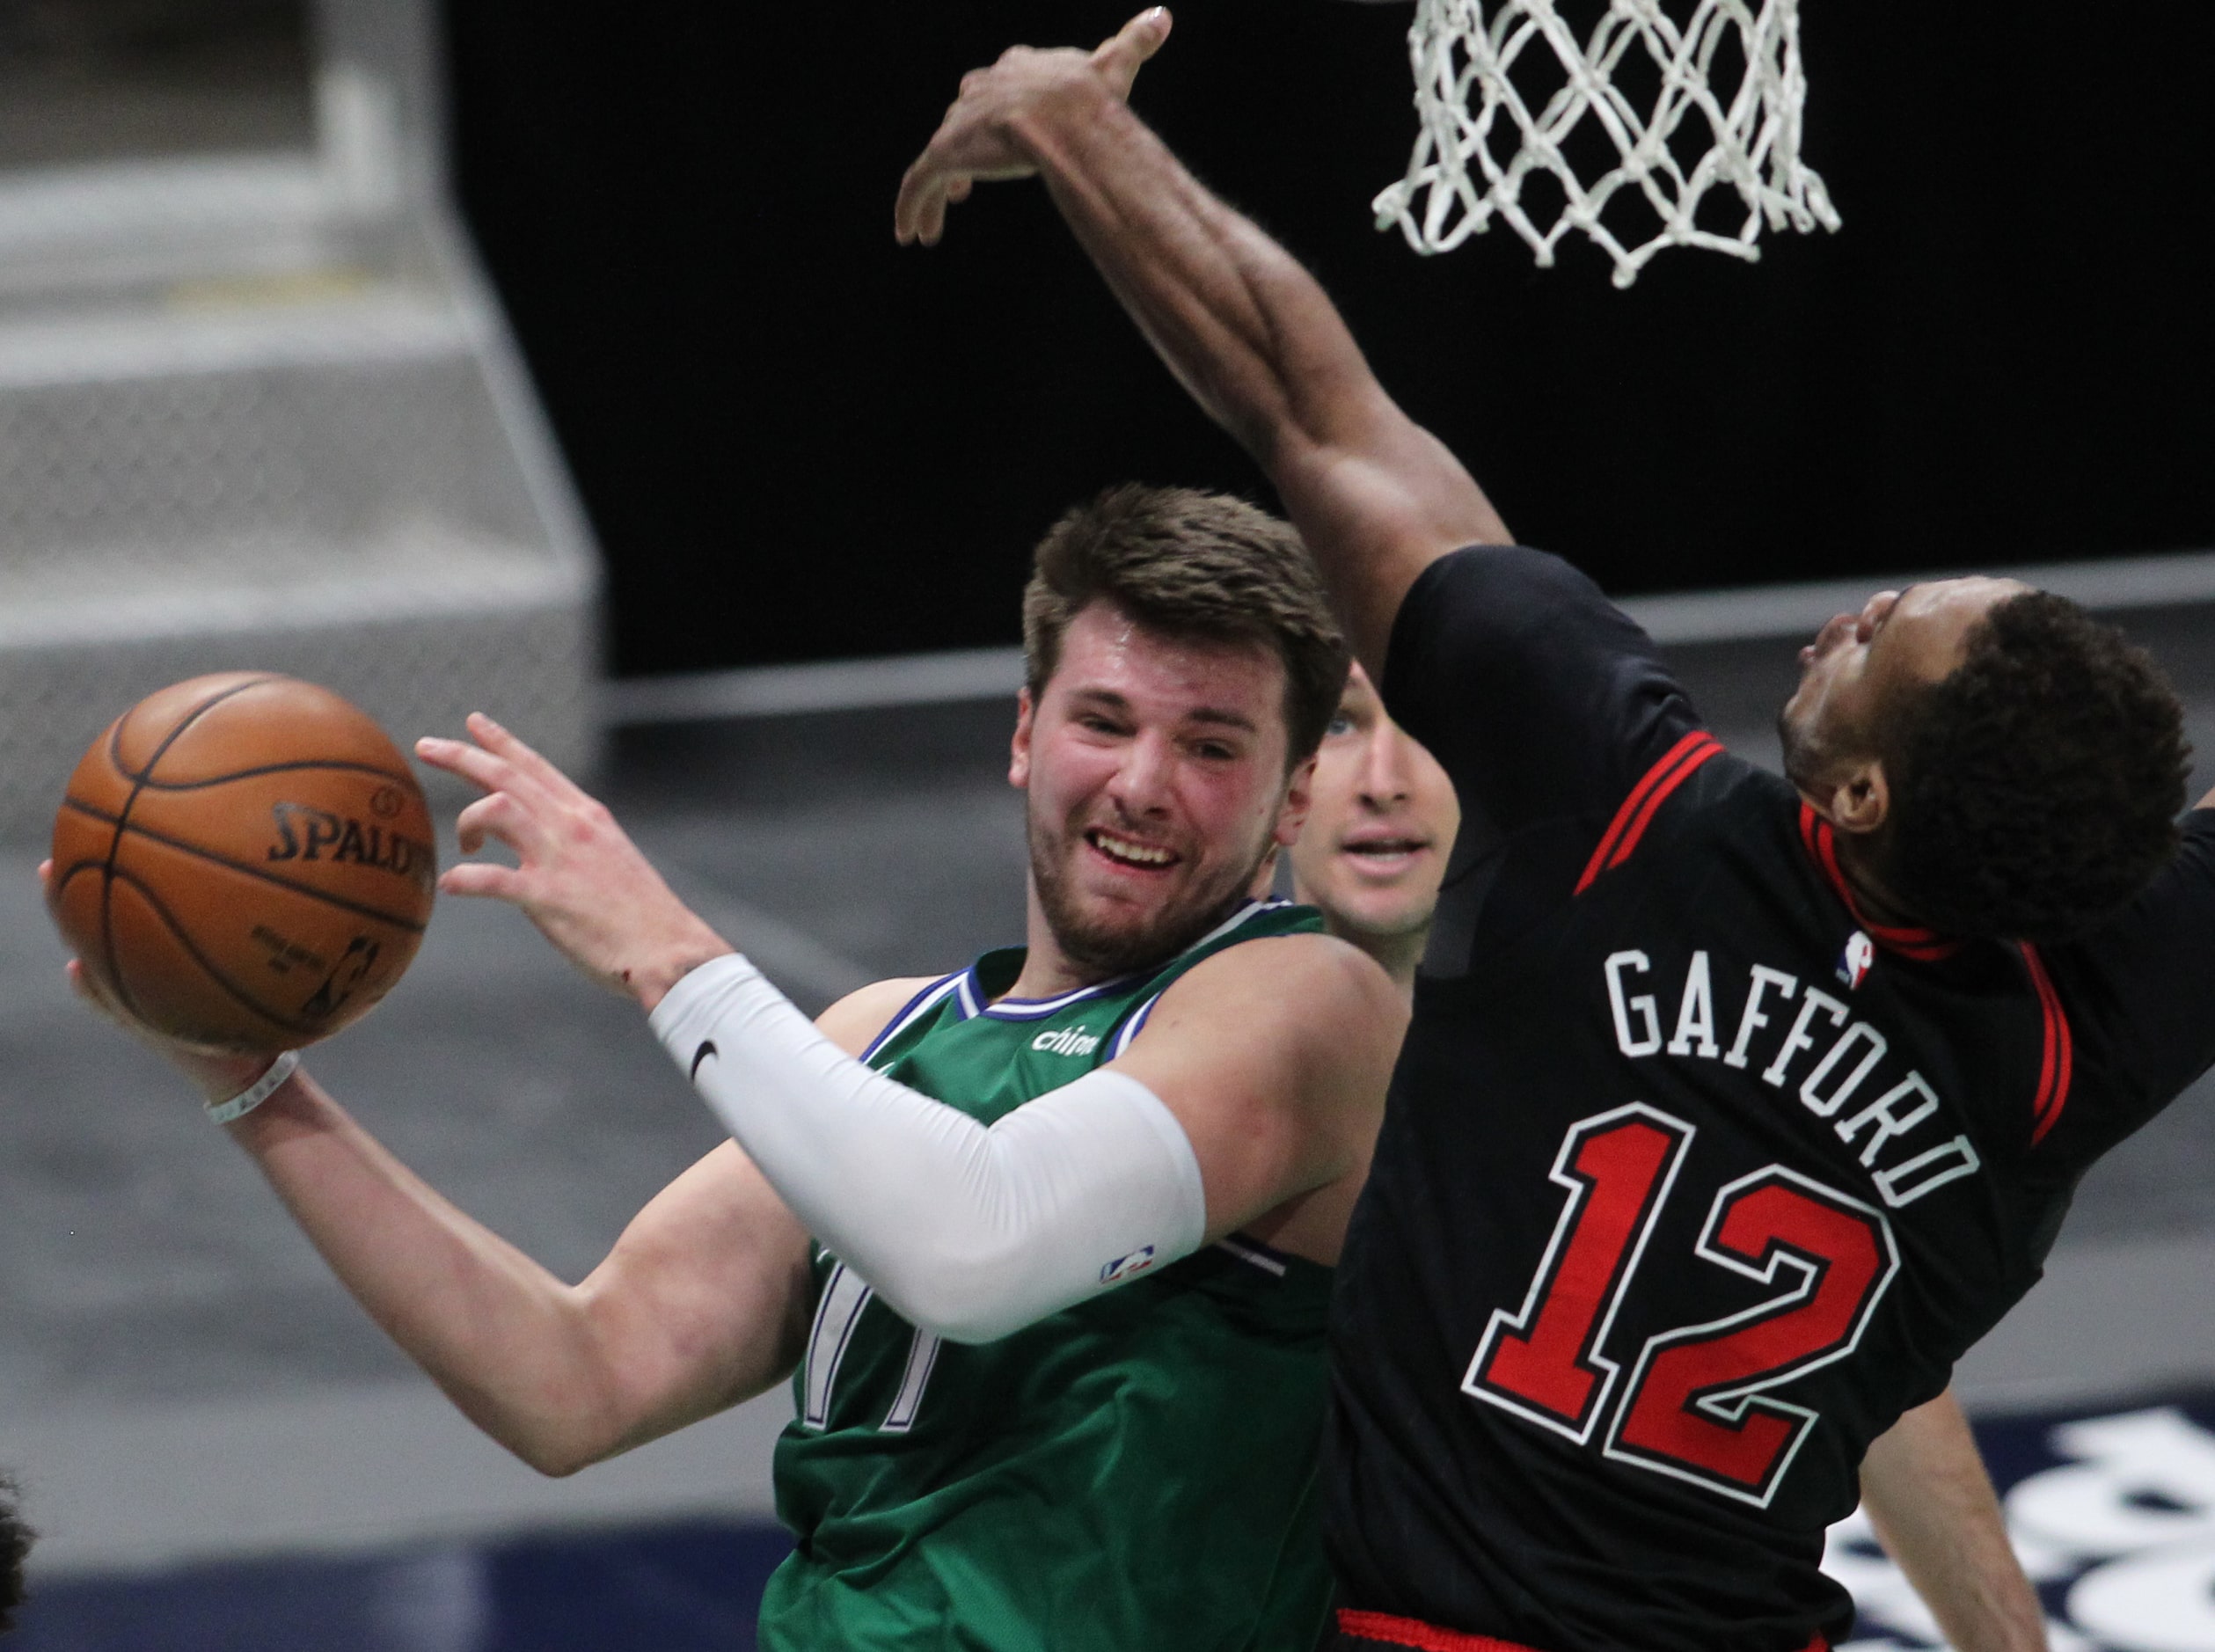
[[1247, 331]]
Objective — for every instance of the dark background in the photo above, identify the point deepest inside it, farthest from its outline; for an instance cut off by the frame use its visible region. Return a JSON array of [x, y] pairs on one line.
[[797, 440]]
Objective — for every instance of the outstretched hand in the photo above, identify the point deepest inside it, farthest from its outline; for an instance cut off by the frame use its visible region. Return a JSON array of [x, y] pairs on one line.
[[977, 140], [579, 877]]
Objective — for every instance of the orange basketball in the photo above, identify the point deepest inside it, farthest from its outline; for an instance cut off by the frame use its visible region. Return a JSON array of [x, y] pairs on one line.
[[245, 860]]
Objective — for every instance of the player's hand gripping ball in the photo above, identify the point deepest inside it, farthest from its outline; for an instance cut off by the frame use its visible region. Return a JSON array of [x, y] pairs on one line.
[[244, 862]]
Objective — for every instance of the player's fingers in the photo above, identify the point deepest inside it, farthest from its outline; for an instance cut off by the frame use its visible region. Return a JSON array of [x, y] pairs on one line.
[[919, 214], [500, 817], [487, 770], [492, 771], [1119, 55], [89, 987], [486, 878], [527, 758], [903, 203], [495, 815], [926, 213], [46, 876]]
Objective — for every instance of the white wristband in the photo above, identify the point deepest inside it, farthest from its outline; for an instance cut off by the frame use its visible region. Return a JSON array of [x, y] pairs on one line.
[[260, 1091]]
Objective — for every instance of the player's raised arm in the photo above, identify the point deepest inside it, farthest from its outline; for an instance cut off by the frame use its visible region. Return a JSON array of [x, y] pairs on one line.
[[1249, 331]]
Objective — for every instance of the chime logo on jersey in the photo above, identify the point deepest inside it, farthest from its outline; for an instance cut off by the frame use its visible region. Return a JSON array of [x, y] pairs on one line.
[[1124, 1267], [1854, 962], [1070, 1040]]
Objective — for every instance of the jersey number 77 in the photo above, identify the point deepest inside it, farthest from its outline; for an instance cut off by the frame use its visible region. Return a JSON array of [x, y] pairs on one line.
[[1698, 1404]]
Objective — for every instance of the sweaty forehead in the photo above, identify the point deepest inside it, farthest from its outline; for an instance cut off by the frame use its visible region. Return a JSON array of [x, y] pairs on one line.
[[1106, 650], [1926, 633]]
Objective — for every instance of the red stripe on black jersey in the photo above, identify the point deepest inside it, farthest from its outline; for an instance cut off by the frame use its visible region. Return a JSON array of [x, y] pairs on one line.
[[1620, 840], [2056, 1065], [1408, 1631], [1925, 946], [1424, 1637]]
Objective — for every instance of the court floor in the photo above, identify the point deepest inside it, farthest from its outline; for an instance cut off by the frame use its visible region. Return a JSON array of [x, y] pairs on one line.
[[2112, 1508], [672, 1587]]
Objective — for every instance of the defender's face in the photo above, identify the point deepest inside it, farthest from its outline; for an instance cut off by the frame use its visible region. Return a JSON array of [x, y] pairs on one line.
[[1858, 661], [1155, 769], [1381, 821]]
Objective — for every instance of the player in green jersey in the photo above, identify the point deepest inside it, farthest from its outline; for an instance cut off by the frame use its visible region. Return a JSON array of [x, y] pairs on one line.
[[1050, 1263], [1138, 1462]]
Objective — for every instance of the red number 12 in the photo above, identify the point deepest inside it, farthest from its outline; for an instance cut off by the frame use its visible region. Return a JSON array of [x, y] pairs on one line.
[[1696, 1408]]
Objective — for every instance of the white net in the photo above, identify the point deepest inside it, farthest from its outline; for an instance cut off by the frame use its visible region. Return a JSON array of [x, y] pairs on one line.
[[1657, 113]]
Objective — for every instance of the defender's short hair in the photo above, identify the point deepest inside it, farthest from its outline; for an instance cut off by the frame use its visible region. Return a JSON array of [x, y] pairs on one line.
[[2036, 788], [1192, 566]]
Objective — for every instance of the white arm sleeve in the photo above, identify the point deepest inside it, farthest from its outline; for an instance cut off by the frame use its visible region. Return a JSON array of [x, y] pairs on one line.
[[967, 1231]]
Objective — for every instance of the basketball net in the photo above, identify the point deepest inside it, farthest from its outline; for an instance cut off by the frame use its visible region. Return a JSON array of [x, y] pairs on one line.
[[1501, 88]]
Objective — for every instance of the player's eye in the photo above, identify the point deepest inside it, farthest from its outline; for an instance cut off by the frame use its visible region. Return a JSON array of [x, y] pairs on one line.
[[1341, 724]]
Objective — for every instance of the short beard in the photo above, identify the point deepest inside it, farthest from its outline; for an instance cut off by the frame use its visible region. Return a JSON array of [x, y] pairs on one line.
[[1104, 952], [1799, 763], [1813, 759]]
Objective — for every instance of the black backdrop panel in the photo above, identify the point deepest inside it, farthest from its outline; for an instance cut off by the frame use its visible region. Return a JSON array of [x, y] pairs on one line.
[[797, 440]]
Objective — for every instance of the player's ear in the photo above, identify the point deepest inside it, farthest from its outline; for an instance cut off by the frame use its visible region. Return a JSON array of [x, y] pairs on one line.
[[1291, 814], [1861, 800], [1018, 757]]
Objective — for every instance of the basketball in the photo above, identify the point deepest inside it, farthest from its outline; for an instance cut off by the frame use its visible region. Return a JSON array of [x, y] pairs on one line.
[[245, 861]]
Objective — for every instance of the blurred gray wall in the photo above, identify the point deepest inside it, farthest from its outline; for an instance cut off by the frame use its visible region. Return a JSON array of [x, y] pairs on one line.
[[258, 408]]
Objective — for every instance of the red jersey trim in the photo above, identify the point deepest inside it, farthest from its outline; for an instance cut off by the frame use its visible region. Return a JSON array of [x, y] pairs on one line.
[[1376, 1626], [1407, 1632], [1821, 841], [2058, 1063], [1620, 842]]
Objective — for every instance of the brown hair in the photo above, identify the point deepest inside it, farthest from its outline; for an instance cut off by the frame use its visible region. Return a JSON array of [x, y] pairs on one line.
[[1197, 566]]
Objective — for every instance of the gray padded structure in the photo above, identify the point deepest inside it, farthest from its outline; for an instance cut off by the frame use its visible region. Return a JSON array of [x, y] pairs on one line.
[[262, 412]]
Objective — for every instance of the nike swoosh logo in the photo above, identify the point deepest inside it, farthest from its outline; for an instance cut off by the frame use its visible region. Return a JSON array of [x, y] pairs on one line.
[[707, 1047]]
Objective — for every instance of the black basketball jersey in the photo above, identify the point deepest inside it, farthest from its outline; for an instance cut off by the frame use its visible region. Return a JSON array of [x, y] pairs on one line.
[[1691, 1180]]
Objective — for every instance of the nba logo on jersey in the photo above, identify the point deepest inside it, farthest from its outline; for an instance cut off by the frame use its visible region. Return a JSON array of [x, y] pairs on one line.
[[1854, 962], [1124, 1267]]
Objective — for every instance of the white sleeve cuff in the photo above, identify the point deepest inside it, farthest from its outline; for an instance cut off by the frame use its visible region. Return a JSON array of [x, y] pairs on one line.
[[967, 1231]]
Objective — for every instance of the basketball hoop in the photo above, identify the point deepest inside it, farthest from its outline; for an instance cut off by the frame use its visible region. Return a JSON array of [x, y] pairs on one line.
[[1510, 96]]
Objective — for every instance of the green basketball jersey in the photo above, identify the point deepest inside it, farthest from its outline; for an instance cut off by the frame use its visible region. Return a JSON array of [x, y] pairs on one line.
[[1134, 1472]]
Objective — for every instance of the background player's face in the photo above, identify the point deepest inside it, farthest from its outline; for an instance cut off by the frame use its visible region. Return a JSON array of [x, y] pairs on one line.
[[1857, 662], [1156, 775], [1381, 821]]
